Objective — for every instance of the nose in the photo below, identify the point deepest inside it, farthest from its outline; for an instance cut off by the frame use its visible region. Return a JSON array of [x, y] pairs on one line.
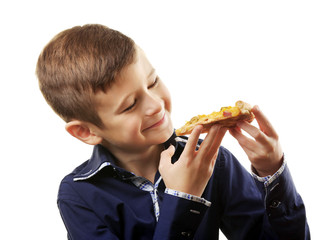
[[153, 104]]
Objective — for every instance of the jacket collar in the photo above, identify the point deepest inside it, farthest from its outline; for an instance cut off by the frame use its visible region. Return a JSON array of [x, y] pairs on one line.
[[101, 158]]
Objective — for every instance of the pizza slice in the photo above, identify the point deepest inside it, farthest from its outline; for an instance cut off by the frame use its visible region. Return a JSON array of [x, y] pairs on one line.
[[227, 117]]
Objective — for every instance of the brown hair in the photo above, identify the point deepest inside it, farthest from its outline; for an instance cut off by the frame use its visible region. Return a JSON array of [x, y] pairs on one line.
[[76, 64]]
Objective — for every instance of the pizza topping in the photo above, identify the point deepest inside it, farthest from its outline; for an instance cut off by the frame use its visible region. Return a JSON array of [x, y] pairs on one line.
[[194, 119], [227, 117], [227, 114]]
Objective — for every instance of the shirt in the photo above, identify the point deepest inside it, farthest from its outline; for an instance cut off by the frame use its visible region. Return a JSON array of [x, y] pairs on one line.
[[100, 200]]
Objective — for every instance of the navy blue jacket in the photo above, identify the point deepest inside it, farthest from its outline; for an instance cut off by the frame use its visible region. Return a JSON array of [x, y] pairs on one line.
[[98, 201]]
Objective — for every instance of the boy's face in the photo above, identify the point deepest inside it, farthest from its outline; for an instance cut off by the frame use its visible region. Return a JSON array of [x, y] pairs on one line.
[[136, 109]]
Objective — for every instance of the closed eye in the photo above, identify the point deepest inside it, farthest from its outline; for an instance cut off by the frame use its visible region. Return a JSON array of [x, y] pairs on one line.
[[154, 84], [131, 106]]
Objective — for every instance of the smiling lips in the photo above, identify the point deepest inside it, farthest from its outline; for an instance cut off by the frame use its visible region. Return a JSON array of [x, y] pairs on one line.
[[156, 124]]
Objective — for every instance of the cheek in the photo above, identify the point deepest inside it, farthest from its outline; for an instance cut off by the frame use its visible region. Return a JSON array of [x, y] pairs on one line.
[[124, 128], [167, 99], [131, 126], [168, 105]]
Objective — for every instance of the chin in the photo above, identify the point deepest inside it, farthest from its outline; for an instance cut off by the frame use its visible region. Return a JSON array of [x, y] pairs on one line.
[[164, 135], [169, 133]]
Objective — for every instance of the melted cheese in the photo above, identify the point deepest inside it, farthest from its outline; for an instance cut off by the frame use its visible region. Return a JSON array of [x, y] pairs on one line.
[[241, 108], [235, 111]]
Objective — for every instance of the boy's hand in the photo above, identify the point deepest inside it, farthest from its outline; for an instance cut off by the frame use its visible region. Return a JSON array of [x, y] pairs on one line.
[[264, 151], [191, 173]]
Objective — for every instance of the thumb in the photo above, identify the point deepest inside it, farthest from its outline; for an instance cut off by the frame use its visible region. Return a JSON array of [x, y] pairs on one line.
[[165, 159]]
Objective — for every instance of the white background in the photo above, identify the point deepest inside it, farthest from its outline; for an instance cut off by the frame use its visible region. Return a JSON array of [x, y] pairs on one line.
[[275, 54]]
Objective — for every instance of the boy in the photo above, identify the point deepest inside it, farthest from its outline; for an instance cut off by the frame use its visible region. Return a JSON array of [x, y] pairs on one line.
[[143, 182]]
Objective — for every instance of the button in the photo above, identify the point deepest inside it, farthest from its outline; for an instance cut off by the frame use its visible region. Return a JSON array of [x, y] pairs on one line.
[[275, 204], [186, 234], [194, 211]]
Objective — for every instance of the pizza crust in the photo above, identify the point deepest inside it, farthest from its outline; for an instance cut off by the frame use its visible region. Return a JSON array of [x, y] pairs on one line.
[[226, 117]]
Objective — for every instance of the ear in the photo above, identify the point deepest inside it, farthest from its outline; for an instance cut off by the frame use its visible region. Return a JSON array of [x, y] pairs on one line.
[[82, 131]]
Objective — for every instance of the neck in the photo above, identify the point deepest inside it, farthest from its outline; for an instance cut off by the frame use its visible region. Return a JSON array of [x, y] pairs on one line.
[[143, 163]]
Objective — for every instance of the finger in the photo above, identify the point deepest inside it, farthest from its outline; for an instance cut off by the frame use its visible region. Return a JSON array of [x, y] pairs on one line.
[[243, 141], [220, 135], [213, 161], [264, 123], [246, 143], [254, 148], [193, 140], [211, 145], [217, 141], [254, 132], [165, 158], [209, 139], [217, 144]]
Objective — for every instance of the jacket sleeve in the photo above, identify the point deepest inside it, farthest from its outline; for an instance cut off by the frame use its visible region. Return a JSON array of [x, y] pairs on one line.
[[285, 209], [80, 221], [179, 218], [255, 210]]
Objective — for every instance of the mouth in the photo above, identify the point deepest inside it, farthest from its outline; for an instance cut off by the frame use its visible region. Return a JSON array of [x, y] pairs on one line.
[[158, 123]]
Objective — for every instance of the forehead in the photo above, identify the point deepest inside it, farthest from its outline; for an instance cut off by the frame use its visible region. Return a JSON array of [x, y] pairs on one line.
[[132, 76]]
